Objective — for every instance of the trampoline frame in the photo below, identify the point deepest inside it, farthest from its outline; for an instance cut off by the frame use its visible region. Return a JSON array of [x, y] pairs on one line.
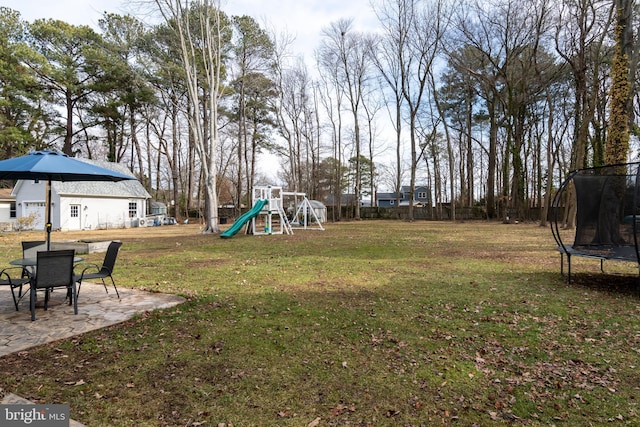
[[629, 252]]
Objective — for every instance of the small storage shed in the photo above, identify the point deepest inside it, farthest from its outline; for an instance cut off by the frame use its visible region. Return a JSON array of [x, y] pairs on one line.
[[158, 208], [319, 209], [84, 205]]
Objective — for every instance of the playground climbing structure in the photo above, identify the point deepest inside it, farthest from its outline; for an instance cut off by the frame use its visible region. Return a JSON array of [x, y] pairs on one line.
[[272, 218], [275, 211]]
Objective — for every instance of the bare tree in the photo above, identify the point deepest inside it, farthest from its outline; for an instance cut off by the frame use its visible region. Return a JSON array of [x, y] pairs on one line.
[[557, 129], [390, 57], [202, 34], [580, 33], [167, 77], [413, 31], [346, 51], [503, 51], [294, 110], [332, 101], [372, 105]]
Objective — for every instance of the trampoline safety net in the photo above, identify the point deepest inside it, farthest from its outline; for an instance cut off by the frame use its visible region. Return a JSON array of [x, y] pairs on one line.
[[607, 211]]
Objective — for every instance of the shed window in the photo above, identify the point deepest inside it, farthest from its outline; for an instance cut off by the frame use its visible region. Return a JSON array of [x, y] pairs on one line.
[[422, 195], [74, 211], [133, 209], [12, 210]]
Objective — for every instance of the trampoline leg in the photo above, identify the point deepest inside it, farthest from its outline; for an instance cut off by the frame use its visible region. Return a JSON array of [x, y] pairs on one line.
[[602, 266]]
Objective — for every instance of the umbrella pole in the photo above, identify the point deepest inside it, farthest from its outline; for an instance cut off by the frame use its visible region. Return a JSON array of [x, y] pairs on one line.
[[48, 219]]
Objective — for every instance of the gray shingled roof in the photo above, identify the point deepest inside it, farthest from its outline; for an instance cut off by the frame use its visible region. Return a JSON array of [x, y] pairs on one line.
[[125, 189]]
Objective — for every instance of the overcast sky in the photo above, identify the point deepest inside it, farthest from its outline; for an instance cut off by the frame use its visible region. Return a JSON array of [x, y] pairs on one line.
[[303, 19]]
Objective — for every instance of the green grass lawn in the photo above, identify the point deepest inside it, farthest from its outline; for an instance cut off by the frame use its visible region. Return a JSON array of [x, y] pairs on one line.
[[367, 323]]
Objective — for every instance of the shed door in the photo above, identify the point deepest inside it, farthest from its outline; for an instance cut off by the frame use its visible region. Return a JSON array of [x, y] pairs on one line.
[[37, 210], [74, 217]]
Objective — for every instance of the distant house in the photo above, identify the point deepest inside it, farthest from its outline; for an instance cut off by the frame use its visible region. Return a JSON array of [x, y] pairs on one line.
[[386, 200], [421, 197], [7, 209], [84, 205]]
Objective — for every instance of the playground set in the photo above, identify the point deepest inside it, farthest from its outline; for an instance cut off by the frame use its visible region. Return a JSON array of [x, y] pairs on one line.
[[275, 211]]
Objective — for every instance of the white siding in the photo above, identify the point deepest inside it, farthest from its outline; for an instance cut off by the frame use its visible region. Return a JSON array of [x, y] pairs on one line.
[[30, 198], [97, 213]]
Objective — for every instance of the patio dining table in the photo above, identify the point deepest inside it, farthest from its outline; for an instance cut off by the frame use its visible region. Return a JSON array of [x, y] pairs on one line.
[[33, 262]]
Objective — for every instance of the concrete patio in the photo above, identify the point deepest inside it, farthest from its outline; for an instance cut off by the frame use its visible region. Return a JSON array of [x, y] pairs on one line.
[[96, 309]]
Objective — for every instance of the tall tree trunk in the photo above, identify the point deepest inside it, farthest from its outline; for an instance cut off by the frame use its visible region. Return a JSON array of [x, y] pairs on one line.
[[492, 167], [617, 146], [67, 148], [469, 162], [203, 80], [544, 212]]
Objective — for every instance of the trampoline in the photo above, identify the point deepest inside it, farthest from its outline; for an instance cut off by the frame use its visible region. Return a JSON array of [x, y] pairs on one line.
[[607, 215]]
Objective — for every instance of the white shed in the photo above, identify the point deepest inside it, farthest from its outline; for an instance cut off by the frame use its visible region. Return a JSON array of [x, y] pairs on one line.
[[84, 205]]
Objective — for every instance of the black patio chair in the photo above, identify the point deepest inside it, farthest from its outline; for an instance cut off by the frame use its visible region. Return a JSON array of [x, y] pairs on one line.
[[30, 249], [13, 283], [54, 270], [104, 271]]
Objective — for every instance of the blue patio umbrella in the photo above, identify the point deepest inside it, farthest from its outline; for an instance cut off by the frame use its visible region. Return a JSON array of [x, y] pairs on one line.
[[50, 166]]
